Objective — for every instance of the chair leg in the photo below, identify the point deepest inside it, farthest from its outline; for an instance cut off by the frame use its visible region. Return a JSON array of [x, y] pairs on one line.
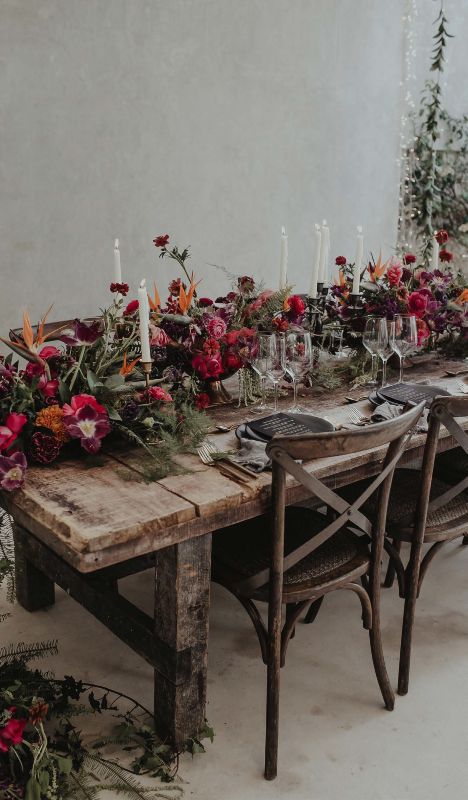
[[272, 709], [465, 539], [390, 575], [411, 595], [313, 611], [375, 637]]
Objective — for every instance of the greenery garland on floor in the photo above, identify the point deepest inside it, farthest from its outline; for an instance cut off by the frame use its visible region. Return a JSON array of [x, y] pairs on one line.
[[43, 755]]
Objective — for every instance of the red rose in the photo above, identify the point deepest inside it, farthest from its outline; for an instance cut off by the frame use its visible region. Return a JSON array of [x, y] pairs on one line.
[[409, 258], [340, 261], [161, 241], [445, 255], [441, 236], [207, 366], [296, 305], [417, 304], [202, 400], [12, 733], [232, 362], [131, 308]]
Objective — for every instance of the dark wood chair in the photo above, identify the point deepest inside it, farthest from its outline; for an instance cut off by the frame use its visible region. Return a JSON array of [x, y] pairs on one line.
[[424, 508], [451, 467], [295, 557]]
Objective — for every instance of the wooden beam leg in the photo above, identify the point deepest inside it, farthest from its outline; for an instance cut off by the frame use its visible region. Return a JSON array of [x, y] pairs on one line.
[[182, 597], [34, 590]]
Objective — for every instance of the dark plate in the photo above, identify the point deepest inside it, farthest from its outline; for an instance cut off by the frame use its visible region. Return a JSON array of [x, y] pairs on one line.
[[401, 393], [315, 425]]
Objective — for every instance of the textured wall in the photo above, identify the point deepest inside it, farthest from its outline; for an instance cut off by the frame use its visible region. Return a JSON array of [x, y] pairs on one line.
[[214, 120]]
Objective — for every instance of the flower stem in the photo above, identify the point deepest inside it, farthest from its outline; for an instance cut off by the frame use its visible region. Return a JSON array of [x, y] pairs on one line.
[[78, 366]]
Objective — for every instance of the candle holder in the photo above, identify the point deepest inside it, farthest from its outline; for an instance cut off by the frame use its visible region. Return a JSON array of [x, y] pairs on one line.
[[147, 367], [355, 300], [319, 288]]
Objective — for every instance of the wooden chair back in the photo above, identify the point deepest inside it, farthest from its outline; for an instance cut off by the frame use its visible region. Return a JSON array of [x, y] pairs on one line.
[[444, 411], [284, 450]]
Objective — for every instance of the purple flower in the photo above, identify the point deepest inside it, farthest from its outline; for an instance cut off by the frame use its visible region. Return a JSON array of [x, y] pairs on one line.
[[87, 420], [82, 333], [12, 471]]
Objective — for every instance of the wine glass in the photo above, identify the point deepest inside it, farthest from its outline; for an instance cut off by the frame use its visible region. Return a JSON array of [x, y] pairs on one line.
[[298, 351], [276, 362], [259, 355], [369, 340], [404, 337], [384, 346]]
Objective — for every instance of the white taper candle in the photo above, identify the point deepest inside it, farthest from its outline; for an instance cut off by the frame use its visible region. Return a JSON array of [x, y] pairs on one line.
[[117, 267], [435, 254], [283, 278], [358, 261], [316, 264], [143, 311]]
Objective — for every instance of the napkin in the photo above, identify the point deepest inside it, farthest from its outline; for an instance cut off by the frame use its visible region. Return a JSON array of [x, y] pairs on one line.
[[387, 411], [252, 454]]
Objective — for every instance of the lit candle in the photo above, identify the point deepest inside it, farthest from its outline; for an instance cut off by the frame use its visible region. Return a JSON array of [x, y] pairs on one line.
[[435, 254], [143, 311], [117, 268], [324, 250], [284, 260], [358, 261], [316, 265]]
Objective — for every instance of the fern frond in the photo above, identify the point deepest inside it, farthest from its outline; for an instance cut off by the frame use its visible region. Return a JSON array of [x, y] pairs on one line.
[[24, 652], [116, 779]]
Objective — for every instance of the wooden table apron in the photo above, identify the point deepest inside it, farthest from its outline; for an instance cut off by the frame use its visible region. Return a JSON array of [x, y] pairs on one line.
[[84, 528]]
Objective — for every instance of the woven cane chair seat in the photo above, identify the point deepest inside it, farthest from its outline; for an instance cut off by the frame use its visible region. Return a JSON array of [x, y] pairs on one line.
[[447, 522], [243, 550]]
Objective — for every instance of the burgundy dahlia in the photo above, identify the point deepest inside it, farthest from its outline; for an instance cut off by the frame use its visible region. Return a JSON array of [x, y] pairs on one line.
[[441, 236], [44, 447], [161, 241], [340, 261], [119, 288]]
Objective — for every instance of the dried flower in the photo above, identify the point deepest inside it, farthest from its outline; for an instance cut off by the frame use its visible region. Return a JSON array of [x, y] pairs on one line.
[[445, 255], [38, 713]]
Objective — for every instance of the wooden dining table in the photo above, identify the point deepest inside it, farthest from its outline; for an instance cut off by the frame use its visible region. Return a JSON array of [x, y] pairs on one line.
[[84, 526]]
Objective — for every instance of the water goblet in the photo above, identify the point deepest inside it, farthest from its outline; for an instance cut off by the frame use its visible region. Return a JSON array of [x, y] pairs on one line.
[[298, 351], [404, 338], [276, 362]]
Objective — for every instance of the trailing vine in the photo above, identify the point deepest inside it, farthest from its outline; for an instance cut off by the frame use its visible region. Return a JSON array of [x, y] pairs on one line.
[[438, 195]]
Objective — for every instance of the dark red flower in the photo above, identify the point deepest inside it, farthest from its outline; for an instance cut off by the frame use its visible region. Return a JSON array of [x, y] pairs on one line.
[[82, 333], [280, 324], [409, 258], [202, 400], [207, 366], [296, 305], [44, 447], [10, 430], [49, 351], [232, 362], [12, 733], [417, 304], [161, 241], [204, 302], [174, 287], [131, 308], [120, 288], [441, 236], [340, 261], [445, 255]]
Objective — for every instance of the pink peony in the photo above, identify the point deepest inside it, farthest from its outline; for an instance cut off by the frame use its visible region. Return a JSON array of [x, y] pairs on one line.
[[216, 327], [14, 424], [12, 472], [417, 304]]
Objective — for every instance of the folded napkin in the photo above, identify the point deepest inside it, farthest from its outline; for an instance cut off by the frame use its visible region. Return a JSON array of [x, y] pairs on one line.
[[252, 454], [387, 411]]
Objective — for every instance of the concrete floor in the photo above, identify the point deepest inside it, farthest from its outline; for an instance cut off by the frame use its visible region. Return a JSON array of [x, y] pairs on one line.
[[337, 742]]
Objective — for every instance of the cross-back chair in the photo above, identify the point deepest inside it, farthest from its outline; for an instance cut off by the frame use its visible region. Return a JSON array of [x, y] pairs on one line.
[[433, 513], [295, 556]]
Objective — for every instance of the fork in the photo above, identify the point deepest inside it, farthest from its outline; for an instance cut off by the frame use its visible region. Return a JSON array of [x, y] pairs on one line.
[[206, 450], [462, 387]]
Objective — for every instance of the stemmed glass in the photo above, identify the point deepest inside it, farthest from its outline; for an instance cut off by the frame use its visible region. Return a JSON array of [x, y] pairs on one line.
[[259, 357], [370, 340], [298, 351], [276, 362], [384, 346], [404, 337]]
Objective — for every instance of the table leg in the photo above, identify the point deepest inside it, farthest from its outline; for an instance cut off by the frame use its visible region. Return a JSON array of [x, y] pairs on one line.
[[182, 598], [34, 590]]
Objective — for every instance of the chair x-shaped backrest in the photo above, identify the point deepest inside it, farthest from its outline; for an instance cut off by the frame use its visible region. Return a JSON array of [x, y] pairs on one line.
[[444, 411], [283, 451]]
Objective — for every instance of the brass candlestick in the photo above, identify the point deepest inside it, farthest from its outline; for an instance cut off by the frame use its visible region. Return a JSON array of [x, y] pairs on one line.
[[147, 367]]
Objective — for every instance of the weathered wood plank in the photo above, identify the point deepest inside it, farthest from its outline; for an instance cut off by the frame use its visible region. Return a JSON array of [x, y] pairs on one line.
[[181, 605]]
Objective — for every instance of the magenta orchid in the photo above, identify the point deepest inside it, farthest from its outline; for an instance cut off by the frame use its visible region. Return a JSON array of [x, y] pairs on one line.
[[87, 420], [12, 471], [82, 333], [13, 426]]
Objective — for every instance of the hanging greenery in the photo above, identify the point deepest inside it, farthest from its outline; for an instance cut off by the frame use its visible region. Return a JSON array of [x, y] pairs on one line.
[[438, 194]]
